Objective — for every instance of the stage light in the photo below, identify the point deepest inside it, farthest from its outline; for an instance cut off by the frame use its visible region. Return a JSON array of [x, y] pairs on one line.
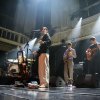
[[30, 46], [77, 30], [96, 27], [81, 18]]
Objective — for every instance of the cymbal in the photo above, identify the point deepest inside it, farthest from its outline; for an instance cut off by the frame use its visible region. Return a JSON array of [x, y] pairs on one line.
[[13, 60], [16, 60], [30, 60]]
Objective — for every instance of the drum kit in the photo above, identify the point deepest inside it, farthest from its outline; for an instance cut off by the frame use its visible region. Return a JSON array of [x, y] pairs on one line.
[[13, 63], [13, 68]]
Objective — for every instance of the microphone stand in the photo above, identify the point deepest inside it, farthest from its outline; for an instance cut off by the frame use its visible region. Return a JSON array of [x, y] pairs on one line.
[[27, 48]]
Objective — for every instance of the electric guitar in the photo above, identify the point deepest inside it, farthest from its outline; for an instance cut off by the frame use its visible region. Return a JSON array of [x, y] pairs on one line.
[[90, 53], [69, 56]]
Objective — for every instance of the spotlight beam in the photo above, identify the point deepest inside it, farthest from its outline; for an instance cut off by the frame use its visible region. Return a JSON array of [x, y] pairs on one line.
[[77, 30]]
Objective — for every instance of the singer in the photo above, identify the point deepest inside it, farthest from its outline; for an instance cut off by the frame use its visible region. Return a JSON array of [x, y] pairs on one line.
[[43, 60]]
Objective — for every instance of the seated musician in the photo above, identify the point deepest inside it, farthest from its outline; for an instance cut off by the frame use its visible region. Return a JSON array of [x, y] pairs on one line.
[[21, 56]]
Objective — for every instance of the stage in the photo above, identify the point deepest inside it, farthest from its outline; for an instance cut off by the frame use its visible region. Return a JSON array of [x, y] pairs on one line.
[[9, 92]]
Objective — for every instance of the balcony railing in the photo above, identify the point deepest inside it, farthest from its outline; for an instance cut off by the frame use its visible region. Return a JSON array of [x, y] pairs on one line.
[[87, 11], [7, 35]]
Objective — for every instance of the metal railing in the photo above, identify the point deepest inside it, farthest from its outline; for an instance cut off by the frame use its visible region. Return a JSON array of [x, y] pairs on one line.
[[7, 35]]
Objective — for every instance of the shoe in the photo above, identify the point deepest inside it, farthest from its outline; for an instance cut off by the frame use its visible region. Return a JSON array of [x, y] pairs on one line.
[[33, 86], [70, 85], [43, 86]]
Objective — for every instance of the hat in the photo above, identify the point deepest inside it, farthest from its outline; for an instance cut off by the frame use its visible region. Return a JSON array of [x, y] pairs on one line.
[[69, 43], [92, 38]]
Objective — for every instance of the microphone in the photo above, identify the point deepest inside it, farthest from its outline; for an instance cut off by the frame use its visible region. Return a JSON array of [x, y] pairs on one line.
[[26, 45], [36, 30], [30, 50]]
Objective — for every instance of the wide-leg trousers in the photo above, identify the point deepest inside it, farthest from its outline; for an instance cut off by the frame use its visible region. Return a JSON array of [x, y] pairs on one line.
[[43, 69], [68, 71]]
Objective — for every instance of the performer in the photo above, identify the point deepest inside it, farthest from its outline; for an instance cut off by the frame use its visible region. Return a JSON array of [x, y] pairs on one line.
[[68, 56], [93, 56], [21, 56], [43, 60]]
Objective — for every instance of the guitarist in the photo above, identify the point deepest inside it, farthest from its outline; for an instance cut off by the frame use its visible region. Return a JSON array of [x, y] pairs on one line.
[[93, 55]]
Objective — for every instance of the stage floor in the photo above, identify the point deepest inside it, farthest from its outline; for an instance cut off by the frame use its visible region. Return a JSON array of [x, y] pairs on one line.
[[58, 93]]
